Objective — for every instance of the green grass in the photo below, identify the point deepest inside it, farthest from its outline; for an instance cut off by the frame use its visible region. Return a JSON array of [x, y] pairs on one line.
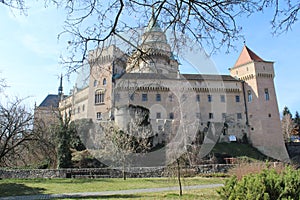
[[201, 194], [13, 187], [238, 150]]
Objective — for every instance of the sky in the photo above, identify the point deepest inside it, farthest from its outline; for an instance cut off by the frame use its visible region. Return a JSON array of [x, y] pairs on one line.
[[30, 54]]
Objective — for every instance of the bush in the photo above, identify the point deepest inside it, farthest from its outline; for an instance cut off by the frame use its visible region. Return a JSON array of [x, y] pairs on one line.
[[245, 166], [266, 185]]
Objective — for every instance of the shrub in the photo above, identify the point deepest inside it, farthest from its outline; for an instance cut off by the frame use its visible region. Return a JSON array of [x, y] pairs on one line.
[[269, 184], [245, 167]]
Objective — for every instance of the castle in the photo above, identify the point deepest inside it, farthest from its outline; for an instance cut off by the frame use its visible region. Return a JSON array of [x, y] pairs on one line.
[[244, 102]]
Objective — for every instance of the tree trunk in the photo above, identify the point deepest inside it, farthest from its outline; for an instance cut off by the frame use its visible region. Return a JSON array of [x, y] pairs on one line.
[[124, 173], [178, 176]]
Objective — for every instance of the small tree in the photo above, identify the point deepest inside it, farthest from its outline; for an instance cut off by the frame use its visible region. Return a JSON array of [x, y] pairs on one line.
[[286, 111], [16, 124], [122, 144], [288, 126], [64, 131]]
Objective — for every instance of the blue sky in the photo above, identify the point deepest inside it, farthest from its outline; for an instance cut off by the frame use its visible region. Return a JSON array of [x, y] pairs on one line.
[[30, 51]]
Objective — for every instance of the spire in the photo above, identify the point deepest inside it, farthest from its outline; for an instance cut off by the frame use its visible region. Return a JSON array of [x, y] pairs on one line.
[[60, 88], [153, 26], [153, 33], [247, 56]]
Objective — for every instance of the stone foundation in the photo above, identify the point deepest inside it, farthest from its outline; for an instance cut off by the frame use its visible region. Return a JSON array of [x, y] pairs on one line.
[[111, 173]]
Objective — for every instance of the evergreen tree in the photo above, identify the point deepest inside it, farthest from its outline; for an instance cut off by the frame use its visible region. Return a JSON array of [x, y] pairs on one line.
[[297, 118], [286, 111], [64, 132]]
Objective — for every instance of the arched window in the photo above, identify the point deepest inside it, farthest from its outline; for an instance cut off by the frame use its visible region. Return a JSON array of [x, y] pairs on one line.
[[95, 83], [249, 96], [104, 81], [267, 95], [99, 97]]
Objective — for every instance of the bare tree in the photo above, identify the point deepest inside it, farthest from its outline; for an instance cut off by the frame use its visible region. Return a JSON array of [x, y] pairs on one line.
[[94, 23], [15, 5], [288, 126], [16, 124], [3, 84], [136, 138]]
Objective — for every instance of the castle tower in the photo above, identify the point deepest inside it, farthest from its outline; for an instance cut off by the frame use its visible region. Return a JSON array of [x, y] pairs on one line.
[[257, 77], [154, 53]]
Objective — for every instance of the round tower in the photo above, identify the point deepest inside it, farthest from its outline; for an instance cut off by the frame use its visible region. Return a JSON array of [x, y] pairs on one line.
[[154, 54]]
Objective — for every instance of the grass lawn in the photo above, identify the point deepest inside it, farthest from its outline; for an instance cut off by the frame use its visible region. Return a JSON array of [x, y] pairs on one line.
[[238, 150], [202, 194], [13, 187]]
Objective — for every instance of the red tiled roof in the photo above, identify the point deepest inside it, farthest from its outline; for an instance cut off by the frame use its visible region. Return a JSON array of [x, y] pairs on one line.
[[247, 56]]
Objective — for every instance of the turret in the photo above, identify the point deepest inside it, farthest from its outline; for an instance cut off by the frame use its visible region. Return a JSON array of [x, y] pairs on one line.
[[154, 54], [60, 89]]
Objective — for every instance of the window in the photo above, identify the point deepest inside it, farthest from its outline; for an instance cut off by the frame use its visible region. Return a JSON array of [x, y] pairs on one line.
[[99, 97], [239, 115], [117, 97], [171, 115], [99, 115], [95, 83], [237, 98], [158, 115], [198, 97], [83, 107], [78, 109], [104, 81], [270, 115], [267, 96], [249, 96], [211, 115], [170, 97], [222, 98], [198, 115], [132, 97], [144, 97], [223, 115], [160, 127], [158, 97], [183, 97], [209, 98], [152, 64]]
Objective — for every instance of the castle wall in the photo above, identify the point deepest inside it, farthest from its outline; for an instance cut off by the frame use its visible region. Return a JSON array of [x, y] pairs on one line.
[[180, 100]]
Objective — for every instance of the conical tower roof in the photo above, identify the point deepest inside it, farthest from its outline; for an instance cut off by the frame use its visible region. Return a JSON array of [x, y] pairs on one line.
[[153, 25], [153, 32], [247, 56]]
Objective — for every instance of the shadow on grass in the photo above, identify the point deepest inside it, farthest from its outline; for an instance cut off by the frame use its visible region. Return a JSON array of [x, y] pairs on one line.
[[16, 189], [116, 196]]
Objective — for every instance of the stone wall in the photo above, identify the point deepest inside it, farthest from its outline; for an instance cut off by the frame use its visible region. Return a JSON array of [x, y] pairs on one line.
[[293, 149], [110, 173]]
